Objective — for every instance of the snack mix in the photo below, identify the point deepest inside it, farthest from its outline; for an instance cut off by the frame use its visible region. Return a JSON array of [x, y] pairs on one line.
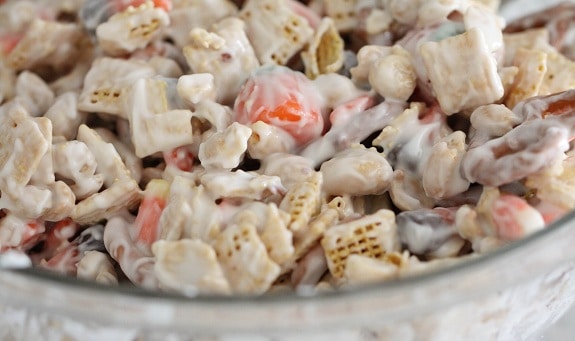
[[244, 147]]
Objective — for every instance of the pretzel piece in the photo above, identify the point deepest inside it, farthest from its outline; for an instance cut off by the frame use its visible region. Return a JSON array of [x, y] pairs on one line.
[[135, 264], [526, 149], [46, 43]]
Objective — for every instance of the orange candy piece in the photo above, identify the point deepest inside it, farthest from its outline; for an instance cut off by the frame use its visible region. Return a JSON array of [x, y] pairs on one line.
[[181, 158], [151, 208], [283, 98]]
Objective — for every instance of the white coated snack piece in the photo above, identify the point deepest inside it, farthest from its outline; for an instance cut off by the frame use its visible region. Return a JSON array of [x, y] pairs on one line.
[[131, 29], [225, 53], [276, 31], [219, 147]]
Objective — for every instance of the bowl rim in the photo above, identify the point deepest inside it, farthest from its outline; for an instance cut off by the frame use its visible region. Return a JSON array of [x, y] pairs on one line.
[[393, 300]]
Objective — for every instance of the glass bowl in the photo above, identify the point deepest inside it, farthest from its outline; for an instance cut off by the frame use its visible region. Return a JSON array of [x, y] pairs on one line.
[[508, 294]]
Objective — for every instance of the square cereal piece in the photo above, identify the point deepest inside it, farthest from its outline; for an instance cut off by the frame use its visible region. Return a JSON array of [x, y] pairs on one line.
[[123, 194], [271, 225], [244, 259], [276, 31], [302, 201], [535, 39], [132, 29], [276, 236], [224, 52], [196, 14], [306, 238], [560, 75], [532, 66], [23, 145], [362, 270], [153, 126], [343, 13], [107, 83], [371, 236], [462, 71], [188, 266]]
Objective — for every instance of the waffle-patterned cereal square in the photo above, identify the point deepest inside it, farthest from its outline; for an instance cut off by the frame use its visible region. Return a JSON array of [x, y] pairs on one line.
[[305, 239], [456, 90], [343, 13], [23, 146], [276, 32], [244, 259], [560, 75], [46, 43], [106, 84], [302, 201], [372, 236], [271, 224], [132, 29], [533, 39], [532, 66], [153, 126]]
